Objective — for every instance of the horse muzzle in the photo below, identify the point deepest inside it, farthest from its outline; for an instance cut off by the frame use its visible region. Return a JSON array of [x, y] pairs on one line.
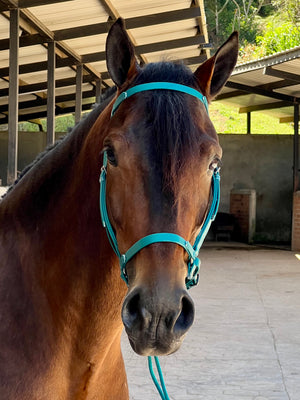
[[157, 322]]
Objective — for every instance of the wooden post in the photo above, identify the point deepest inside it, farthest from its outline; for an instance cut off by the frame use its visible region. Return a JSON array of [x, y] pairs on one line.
[[78, 97], [51, 94], [12, 167]]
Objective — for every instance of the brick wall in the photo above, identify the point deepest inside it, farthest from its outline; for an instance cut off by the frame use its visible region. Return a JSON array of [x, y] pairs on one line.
[[243, 207]]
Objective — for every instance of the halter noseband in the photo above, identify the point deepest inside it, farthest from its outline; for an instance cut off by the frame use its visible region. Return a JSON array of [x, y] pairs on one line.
[[192, 278]]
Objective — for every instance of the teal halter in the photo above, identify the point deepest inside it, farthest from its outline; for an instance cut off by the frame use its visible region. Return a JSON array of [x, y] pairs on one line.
[[161, 86], [192, 277]]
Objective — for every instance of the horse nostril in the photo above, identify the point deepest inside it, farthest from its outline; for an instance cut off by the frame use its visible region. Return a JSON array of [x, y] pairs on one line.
[[131, 310], [134, 314], [186, 316], [133, 305]]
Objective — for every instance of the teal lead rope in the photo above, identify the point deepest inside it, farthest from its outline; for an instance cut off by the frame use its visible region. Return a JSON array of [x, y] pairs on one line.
[[193, 251], [160, 387]]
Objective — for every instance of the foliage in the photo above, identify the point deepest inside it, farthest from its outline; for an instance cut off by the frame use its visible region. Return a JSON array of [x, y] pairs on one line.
[[278, 38], [250, 52], [224, 16], [290, 10], [62, 124], [265, 26]]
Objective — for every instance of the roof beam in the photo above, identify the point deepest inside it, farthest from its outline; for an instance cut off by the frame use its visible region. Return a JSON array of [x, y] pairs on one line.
[[26, 40], [262, 92], [102, 28], [282, 74], [38, 66], [229, 95], [110, 9], [284, 120], [42, 102], [42, 86], [6, 5], [114, 15], [201, 21], [44, 31], [267, 86], [101, 56], [151, 47], [131, 23], [266, 106], [43, 114], [35, 3], [171, 44]]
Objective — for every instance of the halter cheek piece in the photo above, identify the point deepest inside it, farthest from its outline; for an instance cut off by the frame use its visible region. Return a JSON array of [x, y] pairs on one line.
[[192, 278]]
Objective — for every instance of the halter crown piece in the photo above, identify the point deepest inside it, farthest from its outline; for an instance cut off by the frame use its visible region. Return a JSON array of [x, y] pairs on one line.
[[192, 277]]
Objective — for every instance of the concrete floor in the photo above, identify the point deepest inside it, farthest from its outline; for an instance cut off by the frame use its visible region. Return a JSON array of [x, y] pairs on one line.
[[245, 341]]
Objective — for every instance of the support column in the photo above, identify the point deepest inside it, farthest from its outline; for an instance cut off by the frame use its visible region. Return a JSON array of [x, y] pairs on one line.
[[296, 196], [296, 148], [51, 94], [98, 90], [78, 98], [249, 122], [12, 167]]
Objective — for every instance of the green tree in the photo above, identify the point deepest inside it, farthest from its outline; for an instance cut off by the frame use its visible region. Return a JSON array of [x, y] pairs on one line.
[[289, 9], [224, 16], [278, 38]]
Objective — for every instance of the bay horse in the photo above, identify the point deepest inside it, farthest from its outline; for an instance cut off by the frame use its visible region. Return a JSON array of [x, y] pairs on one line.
[[62, 301]]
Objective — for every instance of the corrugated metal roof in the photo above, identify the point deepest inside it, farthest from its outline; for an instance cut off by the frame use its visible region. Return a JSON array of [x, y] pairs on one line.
[[270, 85], [157, 28]]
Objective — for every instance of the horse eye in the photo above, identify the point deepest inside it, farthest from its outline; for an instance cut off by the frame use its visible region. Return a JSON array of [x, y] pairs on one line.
[[215, 164], [111, 156]]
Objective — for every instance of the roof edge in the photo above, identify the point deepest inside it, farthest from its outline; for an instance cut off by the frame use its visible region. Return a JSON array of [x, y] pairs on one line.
[[268, 61]]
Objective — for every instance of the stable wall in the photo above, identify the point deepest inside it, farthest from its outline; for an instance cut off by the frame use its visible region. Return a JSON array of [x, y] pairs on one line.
[[263, 163], [260, 162], [30, 144]]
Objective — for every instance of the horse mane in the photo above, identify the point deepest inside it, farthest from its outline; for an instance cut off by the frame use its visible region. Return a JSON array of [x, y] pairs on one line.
[[170, 131], [79, 130]]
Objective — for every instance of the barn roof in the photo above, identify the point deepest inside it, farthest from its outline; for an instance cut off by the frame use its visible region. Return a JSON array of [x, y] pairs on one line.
[[270, 85], [78, 28]]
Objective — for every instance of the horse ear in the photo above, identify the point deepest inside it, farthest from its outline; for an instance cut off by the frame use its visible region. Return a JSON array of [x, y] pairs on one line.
[[213, 73], [120, 57]]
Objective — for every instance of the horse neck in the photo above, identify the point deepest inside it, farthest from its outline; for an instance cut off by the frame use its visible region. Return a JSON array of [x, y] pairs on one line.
[[52, 223]]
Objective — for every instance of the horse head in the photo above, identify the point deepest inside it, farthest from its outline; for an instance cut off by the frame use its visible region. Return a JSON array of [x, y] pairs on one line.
[[161, 151]]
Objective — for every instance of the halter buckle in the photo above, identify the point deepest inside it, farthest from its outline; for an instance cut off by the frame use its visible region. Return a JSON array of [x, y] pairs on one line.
[[192, 277]]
